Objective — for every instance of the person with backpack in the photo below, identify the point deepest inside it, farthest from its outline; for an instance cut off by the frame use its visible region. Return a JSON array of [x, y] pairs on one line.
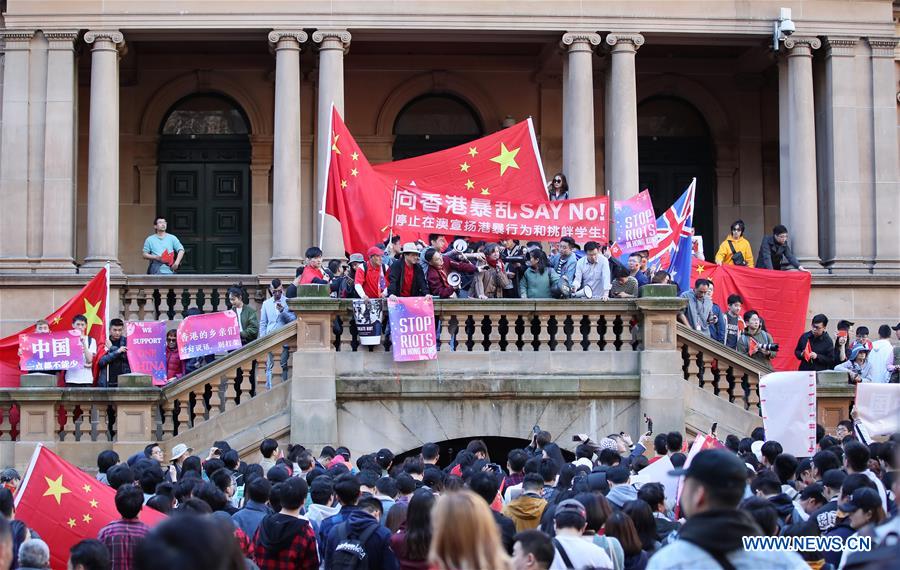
[[284, 540], [361, 542], [572, 551]]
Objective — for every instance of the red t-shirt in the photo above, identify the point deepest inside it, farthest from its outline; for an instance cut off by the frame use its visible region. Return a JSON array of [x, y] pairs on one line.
[[372, 281], [310, 273], [406, 280]]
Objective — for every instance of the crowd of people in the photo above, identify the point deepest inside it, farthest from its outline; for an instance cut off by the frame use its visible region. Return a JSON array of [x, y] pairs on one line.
[[293, 508]]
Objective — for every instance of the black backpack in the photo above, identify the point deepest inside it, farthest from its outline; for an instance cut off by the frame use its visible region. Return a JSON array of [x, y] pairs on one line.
[[350, 552]]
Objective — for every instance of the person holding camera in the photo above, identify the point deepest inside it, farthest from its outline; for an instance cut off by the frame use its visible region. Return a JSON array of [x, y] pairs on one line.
[[735, 250], [754, 341]]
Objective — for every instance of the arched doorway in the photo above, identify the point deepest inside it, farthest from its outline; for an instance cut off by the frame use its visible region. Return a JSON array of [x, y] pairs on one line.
[[674, 145], [204, 182], [498, 448], [434, 122]]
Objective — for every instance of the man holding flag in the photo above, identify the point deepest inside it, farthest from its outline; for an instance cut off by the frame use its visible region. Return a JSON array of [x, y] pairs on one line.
[[815, 349]]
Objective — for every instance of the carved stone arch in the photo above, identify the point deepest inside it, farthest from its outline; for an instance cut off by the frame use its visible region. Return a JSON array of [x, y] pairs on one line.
[[436, 83], [202, 81], [696, 94]]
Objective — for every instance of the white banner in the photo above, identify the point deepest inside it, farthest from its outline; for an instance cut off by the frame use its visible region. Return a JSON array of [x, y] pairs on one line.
[[658, 472], [788, 401], [878, 406]]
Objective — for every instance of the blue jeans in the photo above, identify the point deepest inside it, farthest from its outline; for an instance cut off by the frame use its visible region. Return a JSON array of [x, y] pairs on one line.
[[270, 363]]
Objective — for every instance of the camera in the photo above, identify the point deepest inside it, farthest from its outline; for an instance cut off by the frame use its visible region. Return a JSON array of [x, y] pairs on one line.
[[788, 28], [770, 346]]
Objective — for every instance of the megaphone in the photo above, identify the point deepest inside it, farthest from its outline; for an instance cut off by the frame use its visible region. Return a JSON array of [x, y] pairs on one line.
[[584, 293], [454, 279]]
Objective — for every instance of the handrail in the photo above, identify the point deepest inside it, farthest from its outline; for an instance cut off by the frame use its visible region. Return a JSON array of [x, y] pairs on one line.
[[721, 351], [232, 360]]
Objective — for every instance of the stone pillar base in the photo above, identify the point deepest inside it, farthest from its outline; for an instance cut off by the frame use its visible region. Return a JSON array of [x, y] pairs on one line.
[[886, 266], [849, 265], [662, 393], [93, 266]]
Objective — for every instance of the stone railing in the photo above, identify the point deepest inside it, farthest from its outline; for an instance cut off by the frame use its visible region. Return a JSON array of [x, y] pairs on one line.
[[508, 325], [167, 297], [720, 370], [223, 384]]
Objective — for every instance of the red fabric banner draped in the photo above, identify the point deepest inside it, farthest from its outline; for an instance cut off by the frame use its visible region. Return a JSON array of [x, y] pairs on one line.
[[780, 297], [90, 302], [65, 505], [503, 166]]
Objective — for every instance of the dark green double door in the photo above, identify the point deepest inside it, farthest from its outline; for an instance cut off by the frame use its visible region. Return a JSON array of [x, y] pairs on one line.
[[204, 194]]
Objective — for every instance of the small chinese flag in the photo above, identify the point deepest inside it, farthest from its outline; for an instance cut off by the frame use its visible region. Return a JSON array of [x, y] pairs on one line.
[[65, 505], [168, 257], [752, 347], [807, 351]]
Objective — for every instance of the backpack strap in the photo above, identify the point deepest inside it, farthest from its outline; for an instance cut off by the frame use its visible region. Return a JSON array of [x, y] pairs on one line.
[[731, 245], [562, 553], [367, 534]]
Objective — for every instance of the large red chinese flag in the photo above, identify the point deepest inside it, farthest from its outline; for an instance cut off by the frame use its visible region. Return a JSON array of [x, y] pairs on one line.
[[65, 505], [91, 302], [504, 165], [780, 297]]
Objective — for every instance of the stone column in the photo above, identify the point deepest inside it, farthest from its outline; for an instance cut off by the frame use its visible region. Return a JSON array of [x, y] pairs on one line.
[[621, 117], [884, 154], [662, 383], [14, 151], [801, 194], [578, 114], [60, 154], [844, 228], [103, 151], [333, 45], [286, 244]]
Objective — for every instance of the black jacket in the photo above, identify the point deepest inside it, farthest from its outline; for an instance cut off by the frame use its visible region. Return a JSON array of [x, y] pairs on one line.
[[113, 363], [377, 547], [823, 346], [772, 255], [507, 529], [419, 286]]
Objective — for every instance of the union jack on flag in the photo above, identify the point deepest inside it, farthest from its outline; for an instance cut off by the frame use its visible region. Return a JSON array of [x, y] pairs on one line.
[[674, 230]]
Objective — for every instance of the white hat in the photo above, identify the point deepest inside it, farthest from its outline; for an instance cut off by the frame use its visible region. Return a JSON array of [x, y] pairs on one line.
[[756, 448], [409, 247], [180, 450]]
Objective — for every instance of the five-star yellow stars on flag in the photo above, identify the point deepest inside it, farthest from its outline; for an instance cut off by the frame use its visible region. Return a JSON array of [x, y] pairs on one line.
[[94, 503], [485, 192], [464, 167], [86, 488], [473, 151], [334, 146], [355, 156], [354, 172], [71, 523], [90, 313], [55, 488], [506, 158], [470, 185], [343, 184], [86, 518], [57, 319]]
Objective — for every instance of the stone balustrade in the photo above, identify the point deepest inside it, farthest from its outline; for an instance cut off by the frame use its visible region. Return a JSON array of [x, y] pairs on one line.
[[167, 297]]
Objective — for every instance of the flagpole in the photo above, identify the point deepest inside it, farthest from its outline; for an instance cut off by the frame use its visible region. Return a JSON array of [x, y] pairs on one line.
[[106, 304], [34, 457], [537, 153], [393, 209], [325, 182]]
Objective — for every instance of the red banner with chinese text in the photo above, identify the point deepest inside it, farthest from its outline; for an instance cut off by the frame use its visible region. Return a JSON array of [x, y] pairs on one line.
[[421, 211]]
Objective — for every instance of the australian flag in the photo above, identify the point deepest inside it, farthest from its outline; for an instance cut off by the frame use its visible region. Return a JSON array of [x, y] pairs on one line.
[[674, 230]]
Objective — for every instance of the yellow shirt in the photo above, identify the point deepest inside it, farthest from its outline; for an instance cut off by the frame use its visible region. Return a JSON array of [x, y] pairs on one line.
[[724, 254]]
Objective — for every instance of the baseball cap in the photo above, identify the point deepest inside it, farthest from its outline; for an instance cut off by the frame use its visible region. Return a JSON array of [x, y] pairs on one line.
[[863, 498], [570, 506], [844, 325], [717, 468], [617, 475], [834, 479], [374, 250], [814, 491]]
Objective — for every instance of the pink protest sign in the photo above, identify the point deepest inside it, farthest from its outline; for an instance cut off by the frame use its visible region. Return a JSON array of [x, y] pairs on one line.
[[50, 351], [635, 223], [412, 328], [212, 333], [146, 343]]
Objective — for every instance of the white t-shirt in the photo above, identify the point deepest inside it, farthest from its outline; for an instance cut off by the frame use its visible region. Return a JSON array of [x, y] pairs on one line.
[[83, 375], [581, 553]]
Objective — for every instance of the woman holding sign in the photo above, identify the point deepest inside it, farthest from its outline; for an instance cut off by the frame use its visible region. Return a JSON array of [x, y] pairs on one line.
[[83, 376]]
